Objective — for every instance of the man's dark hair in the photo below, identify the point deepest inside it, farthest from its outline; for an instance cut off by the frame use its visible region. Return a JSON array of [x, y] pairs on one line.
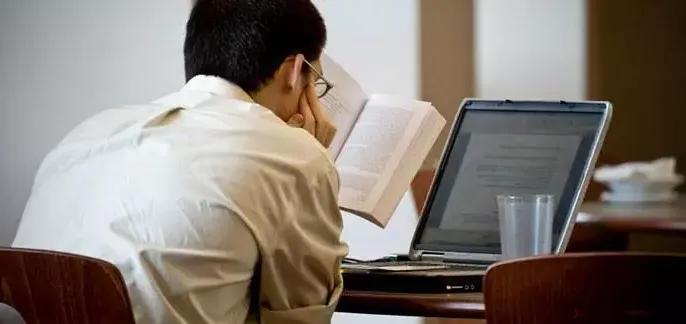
[[245, 41]]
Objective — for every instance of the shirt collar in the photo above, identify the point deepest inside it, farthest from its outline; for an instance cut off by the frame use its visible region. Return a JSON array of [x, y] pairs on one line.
[[217, 86]]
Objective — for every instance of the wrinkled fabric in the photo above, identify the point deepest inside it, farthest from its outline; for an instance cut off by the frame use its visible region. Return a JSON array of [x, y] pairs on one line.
[[213, 209]]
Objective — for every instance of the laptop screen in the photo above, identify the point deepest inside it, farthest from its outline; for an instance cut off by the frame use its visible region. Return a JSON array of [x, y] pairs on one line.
[[525, 150]]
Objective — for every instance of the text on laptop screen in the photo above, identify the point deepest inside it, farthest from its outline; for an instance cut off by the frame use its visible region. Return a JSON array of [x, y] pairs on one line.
[[505, 152]]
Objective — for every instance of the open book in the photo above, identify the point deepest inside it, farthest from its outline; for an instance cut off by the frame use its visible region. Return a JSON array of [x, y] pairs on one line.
[[380, 145]]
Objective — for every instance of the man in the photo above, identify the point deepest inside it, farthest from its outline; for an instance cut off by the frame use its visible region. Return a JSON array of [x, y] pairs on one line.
[[213, 206]]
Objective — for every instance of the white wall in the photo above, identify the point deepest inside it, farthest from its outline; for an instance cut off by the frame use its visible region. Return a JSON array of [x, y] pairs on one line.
[[61, 61], [377, 42], [530, 48]]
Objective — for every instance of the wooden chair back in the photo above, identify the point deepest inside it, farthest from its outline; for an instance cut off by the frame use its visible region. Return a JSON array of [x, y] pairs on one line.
[[608, 288], [55, 288]]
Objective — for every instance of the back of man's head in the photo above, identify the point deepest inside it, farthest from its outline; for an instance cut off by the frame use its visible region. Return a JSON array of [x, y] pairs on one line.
[[245, 41]]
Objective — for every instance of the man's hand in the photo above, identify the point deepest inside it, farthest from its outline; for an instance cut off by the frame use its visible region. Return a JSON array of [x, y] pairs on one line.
[[315, 122], [297, 120]]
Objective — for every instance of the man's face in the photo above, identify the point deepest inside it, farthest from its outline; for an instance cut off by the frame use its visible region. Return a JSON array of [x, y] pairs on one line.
[[304, 78], [284, 93]]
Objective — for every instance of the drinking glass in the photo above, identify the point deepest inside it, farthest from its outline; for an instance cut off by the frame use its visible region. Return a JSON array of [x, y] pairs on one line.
[[526, 225]]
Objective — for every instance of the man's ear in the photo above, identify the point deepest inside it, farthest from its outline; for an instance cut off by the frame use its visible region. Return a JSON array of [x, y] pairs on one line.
[[295, 72]]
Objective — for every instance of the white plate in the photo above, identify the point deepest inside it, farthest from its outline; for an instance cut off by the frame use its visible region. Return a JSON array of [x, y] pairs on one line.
[[643, 186], [668, 196]]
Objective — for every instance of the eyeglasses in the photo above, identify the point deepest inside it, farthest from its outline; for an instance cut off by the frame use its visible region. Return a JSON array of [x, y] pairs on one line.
[[322, 86]]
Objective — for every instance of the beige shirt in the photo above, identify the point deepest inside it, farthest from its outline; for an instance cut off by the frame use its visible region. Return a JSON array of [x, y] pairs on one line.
[[197, 198]]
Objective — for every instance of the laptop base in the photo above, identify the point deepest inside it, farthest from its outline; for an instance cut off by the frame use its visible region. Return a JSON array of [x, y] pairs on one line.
[[414, 282]]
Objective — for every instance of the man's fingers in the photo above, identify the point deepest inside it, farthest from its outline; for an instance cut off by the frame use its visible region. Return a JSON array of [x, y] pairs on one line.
[[314, 102], [315, 121], [322, 123], [309, 123], [330, 136]]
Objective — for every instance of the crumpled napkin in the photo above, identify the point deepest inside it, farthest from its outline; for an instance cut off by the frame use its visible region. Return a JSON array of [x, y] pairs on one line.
[[660, 170]]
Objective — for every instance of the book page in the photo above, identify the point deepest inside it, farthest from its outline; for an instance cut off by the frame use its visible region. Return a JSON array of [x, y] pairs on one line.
[[411, 159], [373, 149], [342, 104]]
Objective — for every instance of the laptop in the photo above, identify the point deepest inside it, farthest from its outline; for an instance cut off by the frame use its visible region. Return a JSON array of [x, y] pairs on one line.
[[494, 147]]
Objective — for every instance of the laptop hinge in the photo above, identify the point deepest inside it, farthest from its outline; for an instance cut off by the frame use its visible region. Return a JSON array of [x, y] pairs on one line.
[[451, 257], [432, 257]]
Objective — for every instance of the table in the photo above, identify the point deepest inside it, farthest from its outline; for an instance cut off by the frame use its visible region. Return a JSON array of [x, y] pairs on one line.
[[421, 305], [636, 227], [643, 217], [599, 227]]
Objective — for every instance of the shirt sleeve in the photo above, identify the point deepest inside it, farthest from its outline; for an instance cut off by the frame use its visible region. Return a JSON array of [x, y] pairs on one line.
[[301, 279]]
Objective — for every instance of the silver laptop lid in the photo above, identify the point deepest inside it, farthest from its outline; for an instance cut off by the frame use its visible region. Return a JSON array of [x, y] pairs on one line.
[[508, 146]]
